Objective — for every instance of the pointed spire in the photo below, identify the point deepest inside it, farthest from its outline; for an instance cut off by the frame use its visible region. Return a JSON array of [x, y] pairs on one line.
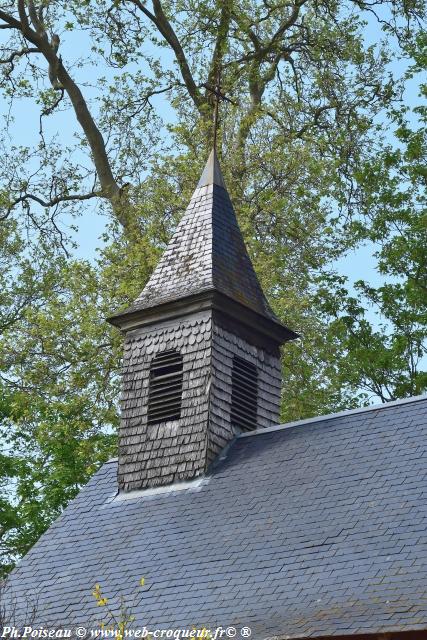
[[207, 253], [212, 172]]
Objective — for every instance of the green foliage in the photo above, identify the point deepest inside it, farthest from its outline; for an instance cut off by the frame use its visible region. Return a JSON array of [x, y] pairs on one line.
[[307, 170], [387, 356], [60, 365]]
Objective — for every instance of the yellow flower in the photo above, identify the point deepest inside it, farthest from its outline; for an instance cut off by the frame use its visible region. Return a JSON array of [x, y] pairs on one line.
[[142, 582], [96, 591]]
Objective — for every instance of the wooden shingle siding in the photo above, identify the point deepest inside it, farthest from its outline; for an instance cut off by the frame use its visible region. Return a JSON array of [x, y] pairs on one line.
[[173, 450], [226, 345], [155, 454]]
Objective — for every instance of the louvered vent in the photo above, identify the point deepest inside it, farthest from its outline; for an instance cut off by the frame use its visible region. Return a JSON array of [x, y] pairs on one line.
[[244, 394], [165, 393]]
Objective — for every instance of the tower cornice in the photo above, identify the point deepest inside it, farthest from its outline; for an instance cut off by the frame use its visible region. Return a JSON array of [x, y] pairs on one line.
[[210, 299]]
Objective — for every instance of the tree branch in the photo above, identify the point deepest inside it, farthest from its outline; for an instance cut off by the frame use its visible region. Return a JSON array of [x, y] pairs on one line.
[[164, 26], [50, 203], [110, 188], [25, 27], [286, 24], [18, 54], [11, 22], [221, 39]]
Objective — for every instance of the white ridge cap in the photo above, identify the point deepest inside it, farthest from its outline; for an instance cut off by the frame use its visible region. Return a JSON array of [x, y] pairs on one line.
[[212, 172], [332, 416]]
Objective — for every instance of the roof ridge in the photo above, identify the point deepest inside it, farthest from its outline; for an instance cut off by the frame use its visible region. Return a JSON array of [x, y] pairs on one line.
[[333, 416]]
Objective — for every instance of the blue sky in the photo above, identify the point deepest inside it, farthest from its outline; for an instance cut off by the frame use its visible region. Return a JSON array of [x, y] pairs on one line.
[[356, 265]]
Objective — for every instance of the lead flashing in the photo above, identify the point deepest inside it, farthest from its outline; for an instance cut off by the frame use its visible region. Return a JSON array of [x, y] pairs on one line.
[[333, 416], [190, 485]]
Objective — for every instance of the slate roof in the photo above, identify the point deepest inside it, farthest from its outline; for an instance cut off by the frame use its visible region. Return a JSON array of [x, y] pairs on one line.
[[312, 529], [206, 253]]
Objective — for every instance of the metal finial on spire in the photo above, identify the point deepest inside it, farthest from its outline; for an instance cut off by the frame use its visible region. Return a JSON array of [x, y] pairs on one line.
[[216, 107], [218, 97]]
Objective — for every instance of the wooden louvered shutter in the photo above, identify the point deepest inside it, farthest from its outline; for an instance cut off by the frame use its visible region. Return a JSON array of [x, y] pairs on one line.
[[165, 392], [244, 394]]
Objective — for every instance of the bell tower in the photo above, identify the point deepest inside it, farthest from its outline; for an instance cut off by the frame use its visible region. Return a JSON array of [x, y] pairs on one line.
[[201, 354]]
